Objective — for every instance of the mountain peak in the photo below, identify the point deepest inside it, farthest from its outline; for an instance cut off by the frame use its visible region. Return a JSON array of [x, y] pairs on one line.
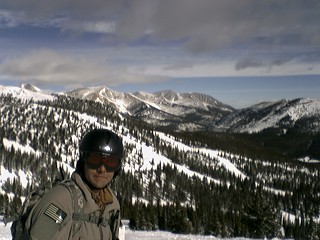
[[168, 94], [30, 87]]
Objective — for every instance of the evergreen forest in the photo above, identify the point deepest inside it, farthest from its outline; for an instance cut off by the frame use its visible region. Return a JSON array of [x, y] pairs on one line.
[[275, 191]]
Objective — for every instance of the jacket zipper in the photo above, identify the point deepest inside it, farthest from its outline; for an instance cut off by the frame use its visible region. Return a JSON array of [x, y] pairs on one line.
[[100, 226], [101, 232]]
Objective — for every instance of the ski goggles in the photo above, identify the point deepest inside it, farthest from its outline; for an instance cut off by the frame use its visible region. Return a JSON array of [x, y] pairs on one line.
[[110, 162]]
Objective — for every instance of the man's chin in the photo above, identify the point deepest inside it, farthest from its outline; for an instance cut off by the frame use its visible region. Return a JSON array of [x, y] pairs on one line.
[[100, 183]]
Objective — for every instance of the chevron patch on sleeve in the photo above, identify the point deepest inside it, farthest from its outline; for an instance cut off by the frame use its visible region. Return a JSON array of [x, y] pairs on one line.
[[55, 213]]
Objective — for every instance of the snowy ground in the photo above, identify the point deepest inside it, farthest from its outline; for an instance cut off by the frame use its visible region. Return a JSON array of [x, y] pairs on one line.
[[136, 235], [158, 235]]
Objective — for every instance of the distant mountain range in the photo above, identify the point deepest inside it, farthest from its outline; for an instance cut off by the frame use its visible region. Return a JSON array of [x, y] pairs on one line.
[[194, 111]]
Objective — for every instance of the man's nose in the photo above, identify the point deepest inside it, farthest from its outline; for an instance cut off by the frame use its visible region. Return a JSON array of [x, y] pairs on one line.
[[101, 168]]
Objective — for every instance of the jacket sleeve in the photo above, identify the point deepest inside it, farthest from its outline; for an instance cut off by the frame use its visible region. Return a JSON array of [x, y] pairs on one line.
[[51, 218]]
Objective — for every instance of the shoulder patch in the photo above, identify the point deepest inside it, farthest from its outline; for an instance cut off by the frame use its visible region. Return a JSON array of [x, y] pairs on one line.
[[55, 213]]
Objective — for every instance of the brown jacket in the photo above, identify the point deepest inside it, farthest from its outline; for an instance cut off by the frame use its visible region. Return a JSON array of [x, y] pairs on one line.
[[52, 217]]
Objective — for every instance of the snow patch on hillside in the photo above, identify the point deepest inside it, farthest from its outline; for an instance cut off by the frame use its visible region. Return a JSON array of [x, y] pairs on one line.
[[8, 144]]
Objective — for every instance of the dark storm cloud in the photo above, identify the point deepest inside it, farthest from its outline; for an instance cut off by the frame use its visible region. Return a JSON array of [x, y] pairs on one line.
[[203, 25]]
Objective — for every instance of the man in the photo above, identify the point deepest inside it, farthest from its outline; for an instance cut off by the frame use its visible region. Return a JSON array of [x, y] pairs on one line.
[[93, 212]]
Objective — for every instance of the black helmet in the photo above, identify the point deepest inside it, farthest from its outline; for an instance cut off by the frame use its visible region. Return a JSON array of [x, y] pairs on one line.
[[103, 141]]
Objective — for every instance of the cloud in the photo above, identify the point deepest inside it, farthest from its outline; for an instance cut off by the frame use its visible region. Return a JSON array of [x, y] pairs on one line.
[[268, 59], [255, 62], [92, 27], [247, 63], [187, 64], [50, 67], [165, 37], [203, 25], [8, 20]]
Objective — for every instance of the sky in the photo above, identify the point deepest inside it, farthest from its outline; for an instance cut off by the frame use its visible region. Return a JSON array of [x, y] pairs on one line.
[[240, 52]]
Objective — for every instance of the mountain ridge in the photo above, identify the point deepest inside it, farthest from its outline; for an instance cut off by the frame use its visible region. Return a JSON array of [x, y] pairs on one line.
[[169, 110]]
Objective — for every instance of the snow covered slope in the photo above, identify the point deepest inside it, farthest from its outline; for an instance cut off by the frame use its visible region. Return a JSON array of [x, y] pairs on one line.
[[301, 114], [26, 91]]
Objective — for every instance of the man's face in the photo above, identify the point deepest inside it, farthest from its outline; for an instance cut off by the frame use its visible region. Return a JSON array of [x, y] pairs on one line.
[[98, 177]]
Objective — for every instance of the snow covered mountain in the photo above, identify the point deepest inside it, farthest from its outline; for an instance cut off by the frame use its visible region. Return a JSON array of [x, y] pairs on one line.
[[194, 111], [299, 114], [178, 111], [26, 91]]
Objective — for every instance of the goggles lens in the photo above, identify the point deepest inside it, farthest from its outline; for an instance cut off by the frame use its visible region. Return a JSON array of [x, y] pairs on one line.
[[96, 159]]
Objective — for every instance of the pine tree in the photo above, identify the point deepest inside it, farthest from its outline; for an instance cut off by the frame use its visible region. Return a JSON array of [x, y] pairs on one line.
[[263, 217]]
